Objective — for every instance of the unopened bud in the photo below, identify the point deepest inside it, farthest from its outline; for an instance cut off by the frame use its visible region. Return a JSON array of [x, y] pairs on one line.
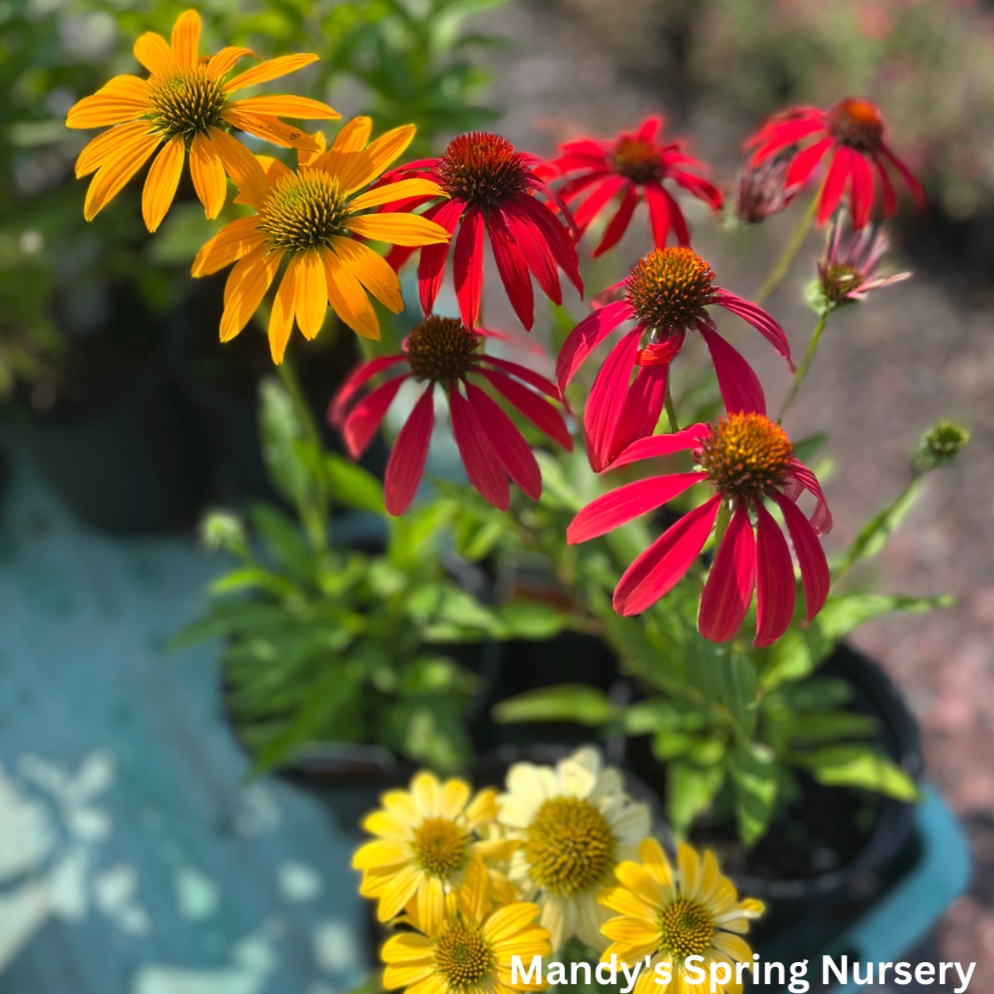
[[222, 530], [940, 445]]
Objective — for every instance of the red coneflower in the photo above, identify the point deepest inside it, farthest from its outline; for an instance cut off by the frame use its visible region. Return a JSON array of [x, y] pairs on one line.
[[667, 295], [848, 270], [634, 167], [748, 459], [444, 351], [852, 134], [491, 188]]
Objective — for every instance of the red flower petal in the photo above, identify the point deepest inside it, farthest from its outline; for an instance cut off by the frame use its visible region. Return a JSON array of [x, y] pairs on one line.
[[483, 466], [586, 336], [759, 319], [861, 191], [556, 237], [739, 385], [467, 266], [433, 257], [643, 408], [649, 129], [776, 588], [407, 461], [513, 272], [607, 400], [619, 223], [700, 187], [365, 418], [803, 164], [663, 445], [890, 198], [776, 137], [597, 200], [536, 253], [620, 506], [728, 591], [524, 373], [917, 190], [659, 213], [512, 450], [538, 411], [678, 220], [810, 555], [664, 563], [355, 381], [821, 520], [835, 183]]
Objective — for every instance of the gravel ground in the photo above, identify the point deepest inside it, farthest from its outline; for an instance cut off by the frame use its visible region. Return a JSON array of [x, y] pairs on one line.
[[885, 371]]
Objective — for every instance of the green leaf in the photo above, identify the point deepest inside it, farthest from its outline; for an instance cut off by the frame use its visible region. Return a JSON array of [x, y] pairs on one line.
[[807, 448], [690, 791], [280, 429], [531, 620], [858, 766], [824, 726], [875, 534], [658, 714], [727, 677], [755, 774], [564, 702], [351, 484], [283, 539]]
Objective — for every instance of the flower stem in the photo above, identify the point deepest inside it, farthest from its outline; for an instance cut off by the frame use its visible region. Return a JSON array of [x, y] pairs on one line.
[[721, 523], [671, 408], [288, 375], [779, 270], [803, 368]]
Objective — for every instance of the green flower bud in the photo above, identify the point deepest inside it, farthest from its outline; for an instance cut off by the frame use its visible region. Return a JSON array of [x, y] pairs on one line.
[[940, 445]]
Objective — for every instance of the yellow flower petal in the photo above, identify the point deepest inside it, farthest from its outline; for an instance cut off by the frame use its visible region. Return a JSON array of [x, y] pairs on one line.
[[401, 976], [381, 853], [655, 860], [506, 922], [690, 871], [231, 243], [406, 947], [272, 69], [627, 902], [474, 894], [186, 38], [311, 301], [114, 173], [161, 182], [399, 890], [455, 792], [270, 128], [247, 284], [109, 144], [353, 136], [398, 229], [397, 191], [376, 275], [401, 802], [282, 105], [637, 879], [153, 52], [280, 326], [377, 156], [348, 298], [482, 809], [389, 824], [99, 110], [207, 171], [732, 946], [632, 931], [224, 61], [427, 791], [242, 166], [431, 905]]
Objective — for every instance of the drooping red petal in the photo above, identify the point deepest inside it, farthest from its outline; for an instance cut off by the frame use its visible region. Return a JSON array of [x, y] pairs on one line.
[[663, 445], [512, 450], [803, 164], [539, 187], [778, 136], [700, 187], [620, 506], [586, 336], [619, 223], [365, 418], [511, 266], [917, 190], [835, 183], [431, 268], [524, 373], [776, 588], [759, 319], [662, 565], [538, 411], [407, 461], [728, 591], [556, 237], [607, 400], [467, 266], [659, 213], [815, 576], [677, 219], [598, 199], [536, 253], [643, 408], [739, 385], [483, 466], [355, 381], [861, 191], [821, 520], [890, 197]]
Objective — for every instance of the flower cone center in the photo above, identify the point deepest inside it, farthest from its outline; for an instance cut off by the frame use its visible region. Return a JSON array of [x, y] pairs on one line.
[[304, 210], [482, 169], [441, 349], [638, 160], [687, 928], [856, 123], [187, 103], [463, 956], [439, 846], [670, 288], [569, 847], [839, 279], [746, 454]]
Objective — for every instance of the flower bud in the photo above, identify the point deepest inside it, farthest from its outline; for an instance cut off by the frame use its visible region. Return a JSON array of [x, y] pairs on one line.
[[940, 445], [222, 530]]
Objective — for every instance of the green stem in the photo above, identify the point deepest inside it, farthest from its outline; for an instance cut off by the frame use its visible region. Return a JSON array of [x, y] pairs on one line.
[[670, 408], [779, 270], [721, 523], [802, 370], [288, 374]]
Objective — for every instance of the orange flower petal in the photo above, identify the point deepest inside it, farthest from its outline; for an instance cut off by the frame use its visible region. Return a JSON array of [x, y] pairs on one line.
[[272, 69], [307, 157], [376, 157], [398, 229], [311, 294], [354, 135], [152, 51], [114, 173], [186, 38], [108, 144], [281, 316], [348, 298], [99, 110], [269, 128], [372, 271], [286, 106], [224, 61], [242, 166], [397, 191], [207, 171], [247, 284], [127, 87], [230, 244], [161, 182]]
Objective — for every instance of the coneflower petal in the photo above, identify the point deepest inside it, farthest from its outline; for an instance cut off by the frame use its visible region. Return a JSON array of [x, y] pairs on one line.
[[512, 450], [776, 588], [407, 461], [730, 584]]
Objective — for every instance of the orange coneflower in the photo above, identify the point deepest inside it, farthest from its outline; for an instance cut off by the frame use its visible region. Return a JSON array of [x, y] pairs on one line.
[[185, 107], [311, 216]]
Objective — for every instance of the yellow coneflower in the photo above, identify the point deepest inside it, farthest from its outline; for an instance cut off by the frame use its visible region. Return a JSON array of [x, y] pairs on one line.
[[469, 949], [184, 107], [671, 918], [428, 846], [573, 824], [310, 216]]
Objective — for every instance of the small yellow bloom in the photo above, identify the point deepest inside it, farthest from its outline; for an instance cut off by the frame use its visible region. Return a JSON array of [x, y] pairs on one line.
[[671, 918], [427, 847], [310, 216], [184, 107], [573, 824], [469, 949]]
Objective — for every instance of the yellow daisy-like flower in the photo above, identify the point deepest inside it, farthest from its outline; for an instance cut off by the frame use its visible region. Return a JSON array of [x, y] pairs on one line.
[[670, 918], [573, 824], [468, 950], [184, 107], [427, 847], [310, 216]]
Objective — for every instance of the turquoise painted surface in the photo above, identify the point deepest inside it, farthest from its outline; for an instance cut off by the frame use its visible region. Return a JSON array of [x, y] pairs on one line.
[[134, 857]]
